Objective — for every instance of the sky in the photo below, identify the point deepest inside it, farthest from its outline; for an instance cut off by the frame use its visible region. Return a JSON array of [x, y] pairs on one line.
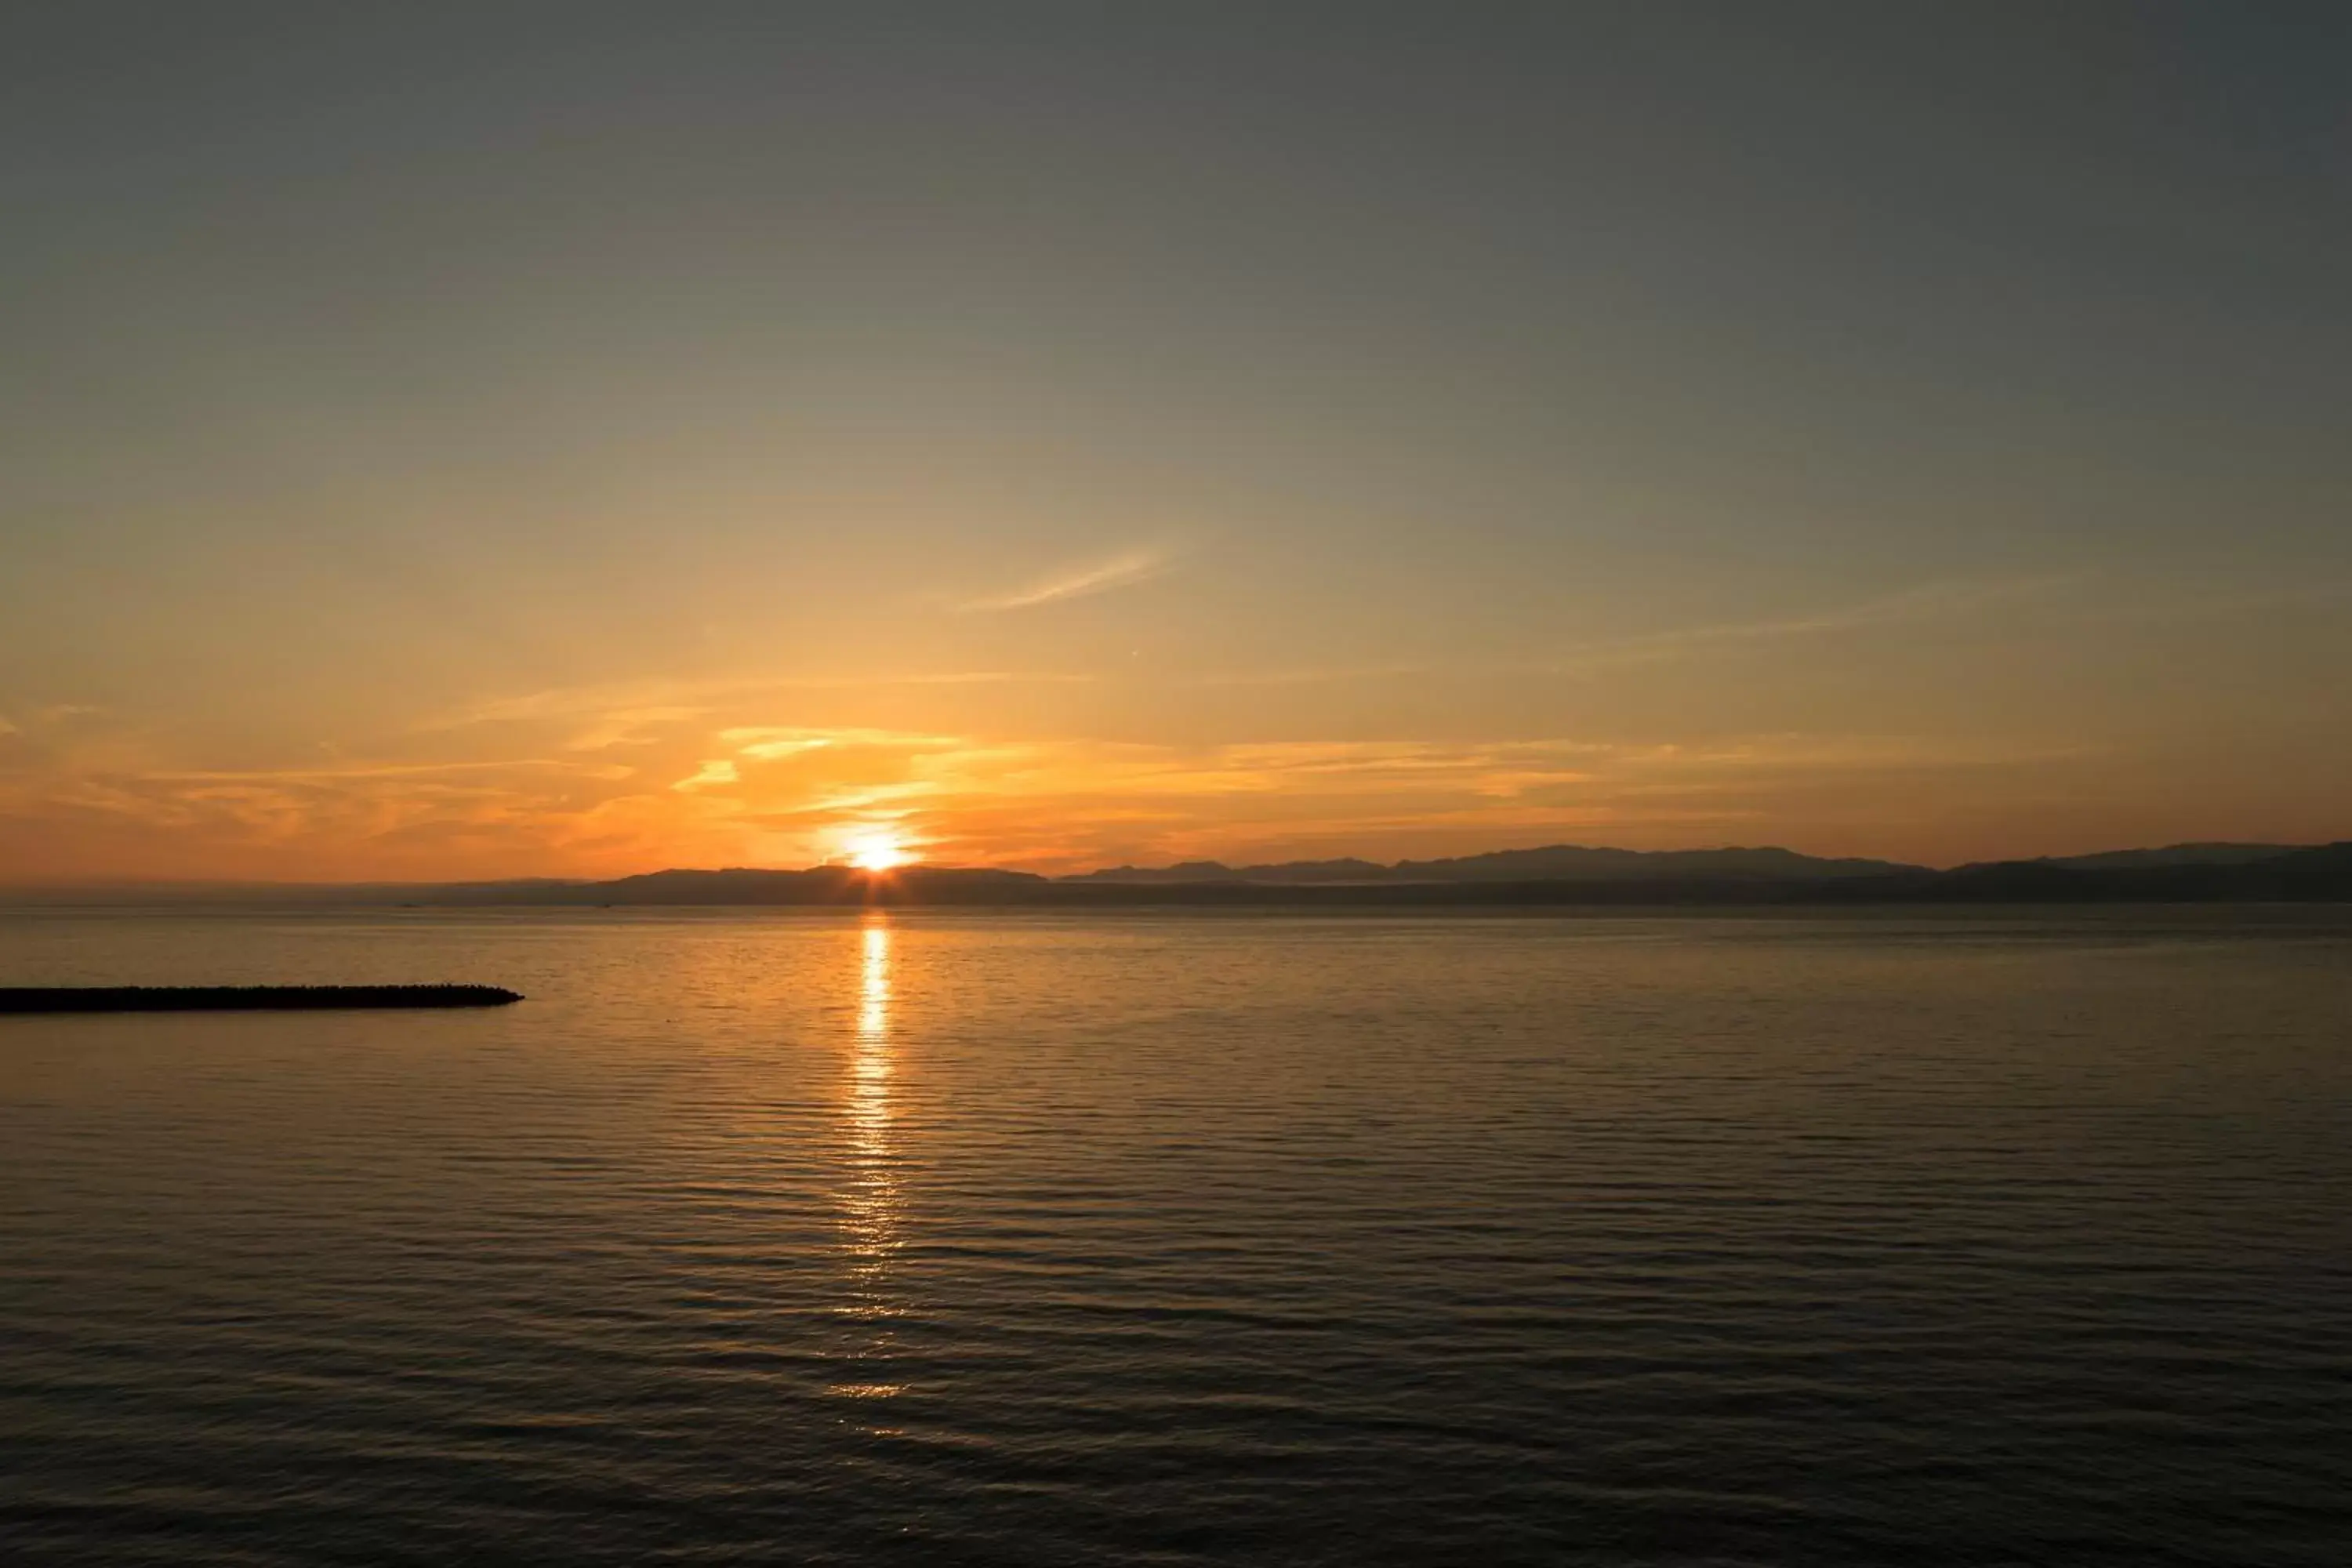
[[483, 440]]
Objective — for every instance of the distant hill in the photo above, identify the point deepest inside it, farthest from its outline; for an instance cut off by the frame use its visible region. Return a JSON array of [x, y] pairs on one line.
[[1345, 870], [2323, 872], [1557, 862], [1563, 875], [1559, 876], [1575, 863], [2173, 854], [743, 885]]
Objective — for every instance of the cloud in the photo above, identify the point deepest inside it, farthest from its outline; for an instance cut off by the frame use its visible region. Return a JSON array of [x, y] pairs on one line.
[[1311, 674], [752, 778], [715, 772], [1927, 602], [609, 702], [789, 795], [2207, 603], [355, 770], [619, 708], [1079, 582], [48, 717], [752, 794]]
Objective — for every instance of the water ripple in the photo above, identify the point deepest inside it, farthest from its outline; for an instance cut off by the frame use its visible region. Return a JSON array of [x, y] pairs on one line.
[[810, 1239]]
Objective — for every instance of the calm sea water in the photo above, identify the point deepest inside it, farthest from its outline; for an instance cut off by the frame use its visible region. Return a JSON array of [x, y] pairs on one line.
[[1135, 1239]]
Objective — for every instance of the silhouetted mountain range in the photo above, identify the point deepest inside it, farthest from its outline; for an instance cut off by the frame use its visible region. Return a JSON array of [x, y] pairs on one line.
[[2322, 873], [1555, 862], [817, 885], [2170, 855], [1563, 875]]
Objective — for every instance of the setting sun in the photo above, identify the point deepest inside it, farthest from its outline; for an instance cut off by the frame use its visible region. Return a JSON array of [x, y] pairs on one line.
[[875, 849]]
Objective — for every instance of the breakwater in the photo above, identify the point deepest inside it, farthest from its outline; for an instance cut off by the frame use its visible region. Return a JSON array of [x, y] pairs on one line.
[[227, 998]]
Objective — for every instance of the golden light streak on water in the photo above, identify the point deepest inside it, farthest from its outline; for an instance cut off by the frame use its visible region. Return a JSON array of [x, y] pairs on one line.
[[873, 1205]]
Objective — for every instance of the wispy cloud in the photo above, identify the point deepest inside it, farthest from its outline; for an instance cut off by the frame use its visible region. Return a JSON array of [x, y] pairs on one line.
[[2207, 603], [1312, 675], [1123, 570], [1070, 803], [635, 703], [718, 793], [1932, 601], [358, 771], [44, 717]]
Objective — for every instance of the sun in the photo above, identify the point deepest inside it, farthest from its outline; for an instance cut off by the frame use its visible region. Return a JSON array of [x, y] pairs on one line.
[[875, 849]]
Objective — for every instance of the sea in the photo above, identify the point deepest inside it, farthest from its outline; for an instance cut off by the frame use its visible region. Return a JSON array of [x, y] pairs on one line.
[[1901, 1237]]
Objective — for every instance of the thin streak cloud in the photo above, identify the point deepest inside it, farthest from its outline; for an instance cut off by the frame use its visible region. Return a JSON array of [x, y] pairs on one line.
[[1077, 582], [357, 771], [1932, 601], [682, 699], [1309, 676]]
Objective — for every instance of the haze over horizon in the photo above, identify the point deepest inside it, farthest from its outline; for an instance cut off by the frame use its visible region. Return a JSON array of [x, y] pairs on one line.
[[1662, 864], [474, 443]]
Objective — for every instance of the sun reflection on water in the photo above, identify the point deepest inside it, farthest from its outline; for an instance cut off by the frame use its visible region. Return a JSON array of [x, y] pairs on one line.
[[873, 1205], [874, 994]]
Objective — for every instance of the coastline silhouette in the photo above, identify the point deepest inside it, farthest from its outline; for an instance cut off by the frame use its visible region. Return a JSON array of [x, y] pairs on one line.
[[1553, 875]]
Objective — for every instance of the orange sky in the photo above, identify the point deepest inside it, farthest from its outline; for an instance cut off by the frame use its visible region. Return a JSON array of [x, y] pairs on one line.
[[1142, 433], [613, 778]]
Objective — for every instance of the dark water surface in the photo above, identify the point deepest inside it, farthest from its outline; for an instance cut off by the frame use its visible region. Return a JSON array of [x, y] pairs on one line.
[[1132, 1239]]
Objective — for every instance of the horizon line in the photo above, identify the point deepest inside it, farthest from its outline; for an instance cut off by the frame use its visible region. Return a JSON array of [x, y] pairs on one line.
[[98, 884]]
